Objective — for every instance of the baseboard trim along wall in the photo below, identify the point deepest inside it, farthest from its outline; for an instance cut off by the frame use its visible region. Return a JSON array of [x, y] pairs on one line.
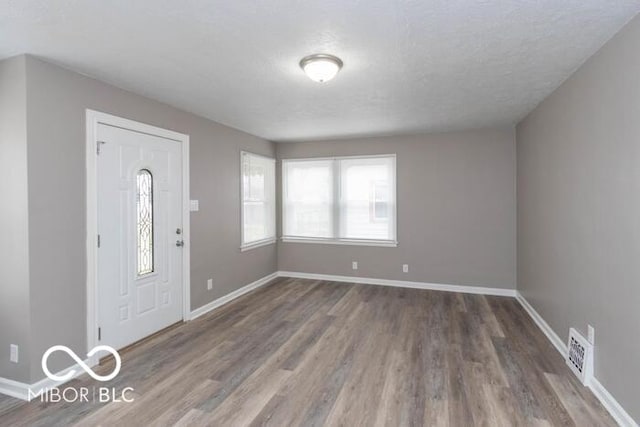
[[482, 290], [200, 311], [611, 404], [557, 342], [21, 390], [14, 388], [602, 394]]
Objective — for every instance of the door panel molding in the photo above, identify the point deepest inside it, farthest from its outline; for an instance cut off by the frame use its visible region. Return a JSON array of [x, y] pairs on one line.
[[93, 120]]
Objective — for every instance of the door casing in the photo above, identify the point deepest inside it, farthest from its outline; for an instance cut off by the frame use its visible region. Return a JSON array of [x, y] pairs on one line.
[[93, 119]]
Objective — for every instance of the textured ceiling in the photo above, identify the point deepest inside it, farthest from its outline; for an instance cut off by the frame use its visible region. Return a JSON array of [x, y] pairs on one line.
[[410, 65]]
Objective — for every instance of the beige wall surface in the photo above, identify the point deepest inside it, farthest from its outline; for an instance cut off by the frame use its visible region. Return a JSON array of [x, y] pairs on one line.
[[579, 210], [56, 103], [456, 198], [14, 226]]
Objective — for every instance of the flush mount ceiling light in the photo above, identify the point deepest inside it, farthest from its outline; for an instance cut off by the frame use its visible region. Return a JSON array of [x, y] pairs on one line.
[[321, 67]]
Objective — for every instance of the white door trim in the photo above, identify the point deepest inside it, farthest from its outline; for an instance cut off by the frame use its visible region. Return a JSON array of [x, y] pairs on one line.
[[93, 119]]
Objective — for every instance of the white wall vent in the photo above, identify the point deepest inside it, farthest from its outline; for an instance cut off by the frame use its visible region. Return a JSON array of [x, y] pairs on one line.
[[580, 356]]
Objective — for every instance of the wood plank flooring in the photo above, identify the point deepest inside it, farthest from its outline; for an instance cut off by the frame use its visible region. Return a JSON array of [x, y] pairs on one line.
[[307, 353]]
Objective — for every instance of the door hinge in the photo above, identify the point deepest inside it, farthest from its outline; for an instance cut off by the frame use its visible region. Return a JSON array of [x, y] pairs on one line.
[[99, 334], [98, 240], [98, 143]]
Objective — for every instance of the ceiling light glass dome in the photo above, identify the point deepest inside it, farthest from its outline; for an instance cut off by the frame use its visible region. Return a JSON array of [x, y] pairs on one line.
[[321, 67]]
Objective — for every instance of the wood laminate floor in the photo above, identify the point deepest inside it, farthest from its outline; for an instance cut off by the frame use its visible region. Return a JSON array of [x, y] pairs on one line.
[[305, 353]]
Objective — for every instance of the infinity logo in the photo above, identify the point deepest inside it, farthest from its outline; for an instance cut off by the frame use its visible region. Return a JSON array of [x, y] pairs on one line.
[[83, 365]]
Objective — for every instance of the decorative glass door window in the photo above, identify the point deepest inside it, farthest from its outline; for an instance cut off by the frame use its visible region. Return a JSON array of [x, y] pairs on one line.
[[144, 221]]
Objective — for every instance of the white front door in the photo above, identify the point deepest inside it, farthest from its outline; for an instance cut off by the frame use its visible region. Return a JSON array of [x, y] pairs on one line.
[[140, 234]]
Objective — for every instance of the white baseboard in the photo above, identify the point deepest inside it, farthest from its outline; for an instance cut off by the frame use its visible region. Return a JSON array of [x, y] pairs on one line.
[[602, 394], [557, 342], [482, 290], [231, 296], [20, 390], [611, 404], [14, 388]]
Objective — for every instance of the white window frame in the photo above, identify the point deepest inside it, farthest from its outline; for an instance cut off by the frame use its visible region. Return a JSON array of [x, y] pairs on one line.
[[270, 240], [336, 208]]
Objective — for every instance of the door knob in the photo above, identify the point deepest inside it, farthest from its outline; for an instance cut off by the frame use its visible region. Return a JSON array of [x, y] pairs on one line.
[[178, 231], [179, 243]]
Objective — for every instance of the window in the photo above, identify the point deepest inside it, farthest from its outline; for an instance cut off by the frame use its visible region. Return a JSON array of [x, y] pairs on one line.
[[309, 201], [347, 200], [258, 200], [144, 221]]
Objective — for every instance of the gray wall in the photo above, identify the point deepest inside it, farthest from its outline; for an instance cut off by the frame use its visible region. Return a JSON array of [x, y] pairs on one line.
[[456, 211], [579, 210], [14, 227], [56, 103]]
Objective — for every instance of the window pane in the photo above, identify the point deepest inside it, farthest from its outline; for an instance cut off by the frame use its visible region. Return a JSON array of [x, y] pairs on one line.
[[308, 198], [144, 221], [366, 201], [255, 221], [258, 198], [380, 205]]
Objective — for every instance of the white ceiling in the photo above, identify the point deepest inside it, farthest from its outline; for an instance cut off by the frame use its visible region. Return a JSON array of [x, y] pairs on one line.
[[409, 65]]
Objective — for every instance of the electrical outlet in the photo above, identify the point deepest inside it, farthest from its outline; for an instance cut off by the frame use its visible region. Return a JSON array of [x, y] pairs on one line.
[[405, 268], [591, 334], [14, 353], [209, 284], [354, 265]]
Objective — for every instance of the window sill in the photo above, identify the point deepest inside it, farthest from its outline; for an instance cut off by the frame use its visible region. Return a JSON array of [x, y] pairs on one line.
[[349, 242], [258, 244]]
